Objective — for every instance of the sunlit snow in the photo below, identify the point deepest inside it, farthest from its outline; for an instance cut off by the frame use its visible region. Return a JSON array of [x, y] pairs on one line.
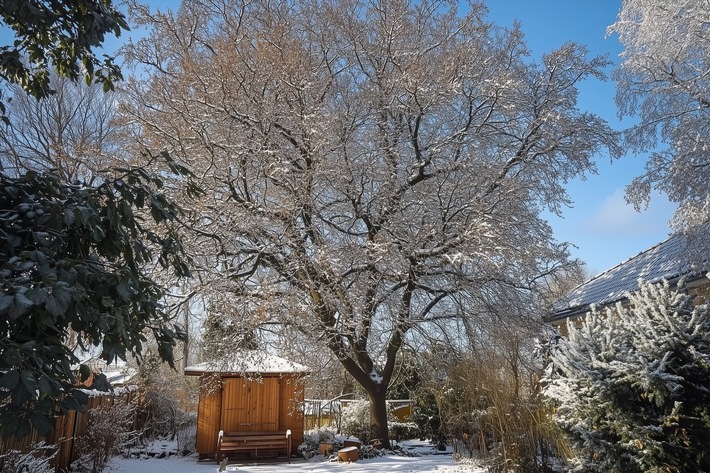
[[177, 464]]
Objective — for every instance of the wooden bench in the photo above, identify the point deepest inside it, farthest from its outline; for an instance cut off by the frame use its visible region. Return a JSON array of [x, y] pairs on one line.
[[253, 442]]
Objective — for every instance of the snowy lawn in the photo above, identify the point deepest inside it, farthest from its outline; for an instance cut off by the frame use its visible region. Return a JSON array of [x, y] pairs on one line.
[[396, 464]]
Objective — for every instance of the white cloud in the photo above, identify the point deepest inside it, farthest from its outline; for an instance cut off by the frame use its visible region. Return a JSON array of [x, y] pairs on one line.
[[615, 217]]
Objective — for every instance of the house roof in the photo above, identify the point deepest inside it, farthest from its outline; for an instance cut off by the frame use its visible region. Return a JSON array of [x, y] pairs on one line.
[[246, 362], [662, 261]]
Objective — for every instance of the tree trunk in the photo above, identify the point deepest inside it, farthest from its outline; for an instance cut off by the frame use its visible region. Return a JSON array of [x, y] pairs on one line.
[[186, 343], [378, 414]]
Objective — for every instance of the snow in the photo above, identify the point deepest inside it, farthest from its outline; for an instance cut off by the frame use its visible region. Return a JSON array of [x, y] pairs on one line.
[[177, 464], [376, 377], [423, 464], [247, 361]]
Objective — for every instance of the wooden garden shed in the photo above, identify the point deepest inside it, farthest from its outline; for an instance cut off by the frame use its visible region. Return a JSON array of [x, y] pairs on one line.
[[251, 392]]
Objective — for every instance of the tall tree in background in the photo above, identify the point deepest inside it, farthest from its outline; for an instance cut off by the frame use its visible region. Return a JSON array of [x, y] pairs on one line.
[[375, 170], [664, 79], [72, 132]]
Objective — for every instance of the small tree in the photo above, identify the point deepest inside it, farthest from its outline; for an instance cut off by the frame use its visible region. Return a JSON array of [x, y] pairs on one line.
[[74, 268], [633, 387], [427, 418]]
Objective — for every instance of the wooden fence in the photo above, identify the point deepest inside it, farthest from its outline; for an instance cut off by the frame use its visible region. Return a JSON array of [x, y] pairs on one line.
[[66, 429], [328, 412]]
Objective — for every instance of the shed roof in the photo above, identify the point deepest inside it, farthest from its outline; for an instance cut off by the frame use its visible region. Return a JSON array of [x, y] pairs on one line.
[[662, 261], [248, 362]]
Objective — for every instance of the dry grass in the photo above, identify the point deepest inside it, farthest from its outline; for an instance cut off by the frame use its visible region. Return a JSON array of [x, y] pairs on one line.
[[491, 410]]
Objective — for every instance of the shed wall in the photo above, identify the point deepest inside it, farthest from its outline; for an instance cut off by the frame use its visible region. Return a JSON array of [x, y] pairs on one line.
[[208, 415], [236, 404], [291, 408]]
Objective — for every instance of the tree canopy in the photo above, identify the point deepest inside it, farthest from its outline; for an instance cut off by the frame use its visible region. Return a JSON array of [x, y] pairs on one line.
[[375, 170], [59, 35], [664, 81]]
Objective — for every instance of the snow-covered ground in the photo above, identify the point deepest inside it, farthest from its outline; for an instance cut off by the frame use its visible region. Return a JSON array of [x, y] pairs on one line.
[[396, 464]]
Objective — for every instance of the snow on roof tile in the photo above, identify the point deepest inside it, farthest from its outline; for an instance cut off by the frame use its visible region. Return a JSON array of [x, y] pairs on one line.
[[248, 362], [662, 261]]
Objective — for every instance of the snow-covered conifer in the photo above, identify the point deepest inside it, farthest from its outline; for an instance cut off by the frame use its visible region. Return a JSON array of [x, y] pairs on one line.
[[632, 386]]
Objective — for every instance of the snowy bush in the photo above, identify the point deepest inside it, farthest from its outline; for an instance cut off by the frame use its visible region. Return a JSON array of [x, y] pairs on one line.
[[33, 461], [632, 387], [356, 420], [368, 451], [322, 434], [313, 438], [403, 430], [187, 437], [108, 430]]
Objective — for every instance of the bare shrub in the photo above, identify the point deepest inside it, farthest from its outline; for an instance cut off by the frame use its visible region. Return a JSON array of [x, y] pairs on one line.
[[109, 429], [35, 460], [187, 435], [166, 398], [492, 410]]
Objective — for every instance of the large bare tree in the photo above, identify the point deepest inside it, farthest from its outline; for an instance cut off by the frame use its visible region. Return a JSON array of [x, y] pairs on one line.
[[73, 131], [375, 169], [664, 80]]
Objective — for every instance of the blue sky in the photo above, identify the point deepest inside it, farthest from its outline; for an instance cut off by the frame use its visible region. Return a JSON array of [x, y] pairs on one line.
[[603, 227]]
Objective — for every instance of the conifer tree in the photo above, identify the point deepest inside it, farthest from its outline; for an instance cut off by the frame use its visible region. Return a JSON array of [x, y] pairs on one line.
[[632, 386]]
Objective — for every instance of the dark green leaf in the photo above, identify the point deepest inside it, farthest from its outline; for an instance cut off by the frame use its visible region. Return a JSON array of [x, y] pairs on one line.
[[10, 379], [5, 301], [28, 380], [84, 372], [69, 217], [41, 423], [20, 306], [45, 386]]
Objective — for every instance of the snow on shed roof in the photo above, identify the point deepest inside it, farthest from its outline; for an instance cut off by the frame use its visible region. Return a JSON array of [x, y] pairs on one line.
[[662, 261], [248, 362]]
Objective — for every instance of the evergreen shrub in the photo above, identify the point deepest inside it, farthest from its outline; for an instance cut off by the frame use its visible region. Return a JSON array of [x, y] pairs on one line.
[[632, 386]]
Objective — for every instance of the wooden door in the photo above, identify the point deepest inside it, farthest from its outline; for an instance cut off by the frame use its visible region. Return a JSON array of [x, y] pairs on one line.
[[250, 405]]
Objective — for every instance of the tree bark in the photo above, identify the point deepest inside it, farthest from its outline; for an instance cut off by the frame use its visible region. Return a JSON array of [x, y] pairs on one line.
[[378, 414]]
